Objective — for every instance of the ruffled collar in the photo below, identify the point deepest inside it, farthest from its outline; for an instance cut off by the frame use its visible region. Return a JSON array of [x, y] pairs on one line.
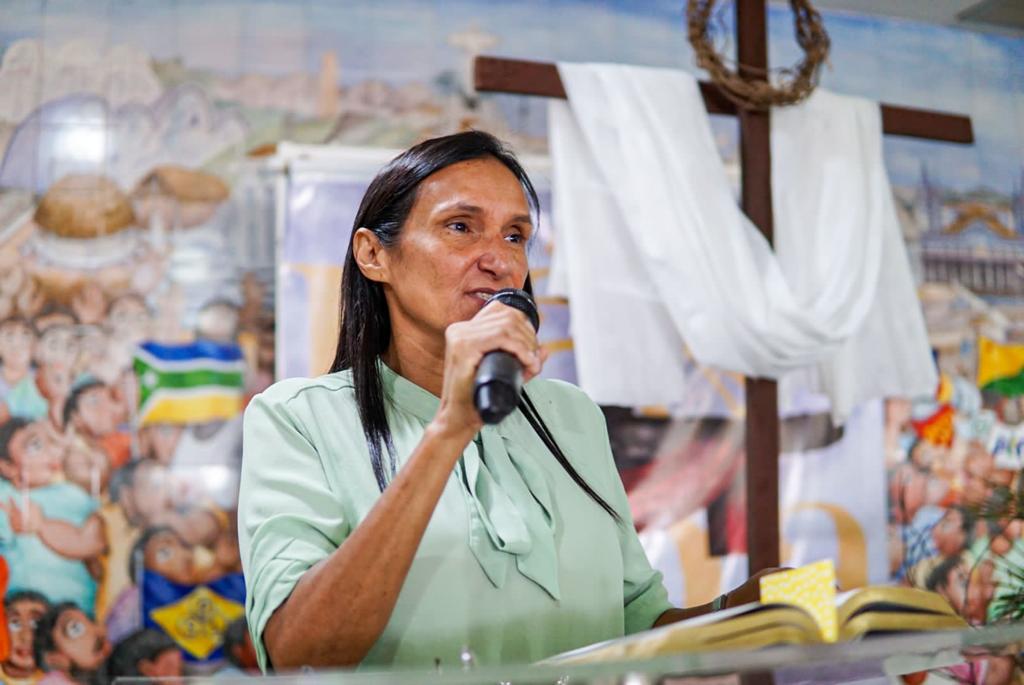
[[511, 517]]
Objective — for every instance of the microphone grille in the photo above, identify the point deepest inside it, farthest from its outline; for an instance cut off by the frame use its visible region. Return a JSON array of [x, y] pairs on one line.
[[521, 300]]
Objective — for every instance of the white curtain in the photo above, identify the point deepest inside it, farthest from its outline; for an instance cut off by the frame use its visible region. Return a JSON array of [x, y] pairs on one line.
[[653, 250]]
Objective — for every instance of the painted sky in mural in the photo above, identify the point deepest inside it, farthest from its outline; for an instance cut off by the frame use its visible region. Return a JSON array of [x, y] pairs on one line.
[[408, 43]]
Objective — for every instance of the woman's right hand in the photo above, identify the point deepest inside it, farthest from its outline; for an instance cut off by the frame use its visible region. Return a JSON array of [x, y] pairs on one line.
[[495, 327]]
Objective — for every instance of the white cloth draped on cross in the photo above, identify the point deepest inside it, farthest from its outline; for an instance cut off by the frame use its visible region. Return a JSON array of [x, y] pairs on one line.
[[653, 250]]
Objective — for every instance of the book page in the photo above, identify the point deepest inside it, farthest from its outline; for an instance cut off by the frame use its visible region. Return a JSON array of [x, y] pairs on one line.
[[812, 588]]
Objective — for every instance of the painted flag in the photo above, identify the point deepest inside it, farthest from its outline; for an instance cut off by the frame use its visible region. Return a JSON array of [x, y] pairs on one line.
[[191, 383], [937, 429], [1001, 367], [194, 616]]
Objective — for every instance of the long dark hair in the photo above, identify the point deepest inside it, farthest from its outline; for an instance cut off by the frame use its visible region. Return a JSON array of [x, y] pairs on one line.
[[365, 323]]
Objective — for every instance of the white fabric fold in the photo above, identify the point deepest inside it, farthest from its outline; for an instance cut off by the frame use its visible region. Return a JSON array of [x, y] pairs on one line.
[[652, 249]]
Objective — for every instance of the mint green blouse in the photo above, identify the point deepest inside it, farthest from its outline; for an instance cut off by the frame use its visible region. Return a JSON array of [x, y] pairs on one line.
[[517, 562]]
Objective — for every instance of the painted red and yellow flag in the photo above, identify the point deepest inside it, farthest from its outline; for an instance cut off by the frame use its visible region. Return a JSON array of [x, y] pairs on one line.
[[938, 428]]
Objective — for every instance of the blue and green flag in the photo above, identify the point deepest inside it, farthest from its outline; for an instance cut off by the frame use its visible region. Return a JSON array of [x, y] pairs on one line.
[[192, 383]]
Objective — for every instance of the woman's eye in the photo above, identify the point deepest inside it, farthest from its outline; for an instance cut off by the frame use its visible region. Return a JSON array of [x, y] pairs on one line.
[[459, 226], [515, 238]]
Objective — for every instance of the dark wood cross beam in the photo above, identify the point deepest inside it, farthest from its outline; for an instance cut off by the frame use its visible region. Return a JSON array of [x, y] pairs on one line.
[[523, 77], [762, 420]]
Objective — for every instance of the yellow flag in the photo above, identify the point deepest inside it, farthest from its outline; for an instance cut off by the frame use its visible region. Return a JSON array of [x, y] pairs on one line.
[[997, 361]]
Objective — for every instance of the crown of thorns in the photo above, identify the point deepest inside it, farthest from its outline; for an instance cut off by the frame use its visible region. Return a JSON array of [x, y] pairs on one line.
[[750, 87]]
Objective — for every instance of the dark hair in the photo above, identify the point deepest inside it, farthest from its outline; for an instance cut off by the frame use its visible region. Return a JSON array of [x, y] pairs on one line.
[[142, 645], [365, 323], [25, 596], [234, 636], [71, 405], [7, 431], [938, 579], [28, 596]]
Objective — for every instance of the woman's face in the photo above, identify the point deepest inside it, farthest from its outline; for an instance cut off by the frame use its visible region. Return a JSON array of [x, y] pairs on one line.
[[465, 237]]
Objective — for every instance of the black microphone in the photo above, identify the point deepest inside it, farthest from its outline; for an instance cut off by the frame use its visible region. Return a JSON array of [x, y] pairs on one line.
[[499, 378]]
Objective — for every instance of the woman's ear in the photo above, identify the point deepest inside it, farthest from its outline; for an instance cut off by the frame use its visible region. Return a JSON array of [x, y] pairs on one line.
[[370, 255]]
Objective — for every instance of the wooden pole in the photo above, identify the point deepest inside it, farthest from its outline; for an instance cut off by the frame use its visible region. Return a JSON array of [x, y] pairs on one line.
[[762, 421], [761, 435]]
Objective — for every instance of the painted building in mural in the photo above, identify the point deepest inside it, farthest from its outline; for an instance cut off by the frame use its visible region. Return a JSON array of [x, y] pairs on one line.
[[139, 212], [974, 239]]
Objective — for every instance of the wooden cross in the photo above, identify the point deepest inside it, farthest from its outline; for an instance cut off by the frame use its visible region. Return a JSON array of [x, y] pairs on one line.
[[762, 427]]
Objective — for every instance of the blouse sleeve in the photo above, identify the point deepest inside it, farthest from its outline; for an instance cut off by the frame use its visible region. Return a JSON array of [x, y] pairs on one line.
[[288, 517], [643, 593]]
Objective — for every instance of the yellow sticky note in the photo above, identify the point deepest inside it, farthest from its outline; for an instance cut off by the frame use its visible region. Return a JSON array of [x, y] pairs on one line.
[[812, 588]]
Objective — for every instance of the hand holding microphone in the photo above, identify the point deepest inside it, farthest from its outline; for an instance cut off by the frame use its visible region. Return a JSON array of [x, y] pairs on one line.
[[499, 378], [487, 360]]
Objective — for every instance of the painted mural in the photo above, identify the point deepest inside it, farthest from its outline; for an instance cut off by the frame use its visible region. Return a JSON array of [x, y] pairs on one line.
[[137, 278]]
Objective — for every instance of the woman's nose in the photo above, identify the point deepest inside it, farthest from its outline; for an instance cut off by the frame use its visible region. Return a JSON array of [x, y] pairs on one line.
[[498, 257]]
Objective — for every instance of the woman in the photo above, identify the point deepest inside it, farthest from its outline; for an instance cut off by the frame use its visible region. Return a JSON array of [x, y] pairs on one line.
[[512, 540]]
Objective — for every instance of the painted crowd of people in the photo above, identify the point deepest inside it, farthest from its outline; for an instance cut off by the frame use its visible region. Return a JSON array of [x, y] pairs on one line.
[[89, 500], [952, 528]]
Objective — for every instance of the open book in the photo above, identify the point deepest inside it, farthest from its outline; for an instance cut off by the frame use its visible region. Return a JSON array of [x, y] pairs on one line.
[[875, 609]]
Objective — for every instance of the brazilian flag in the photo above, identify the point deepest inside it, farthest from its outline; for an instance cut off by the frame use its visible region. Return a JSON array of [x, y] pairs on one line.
[[194, 616]]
